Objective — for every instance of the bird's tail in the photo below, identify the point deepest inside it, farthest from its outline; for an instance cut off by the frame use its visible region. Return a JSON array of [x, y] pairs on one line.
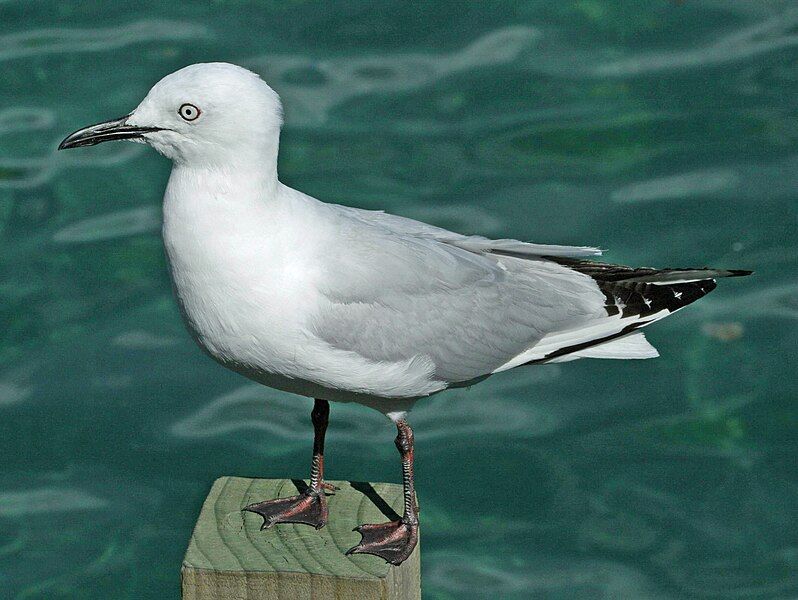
[[634, 298], [645, 292]]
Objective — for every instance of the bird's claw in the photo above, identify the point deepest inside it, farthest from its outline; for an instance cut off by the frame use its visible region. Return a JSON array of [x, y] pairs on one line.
[[308, 508], [330, 488], [393, 541]]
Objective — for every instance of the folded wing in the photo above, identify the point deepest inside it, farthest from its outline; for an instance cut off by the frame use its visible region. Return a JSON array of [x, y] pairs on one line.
[[472, 306], [392, 296]]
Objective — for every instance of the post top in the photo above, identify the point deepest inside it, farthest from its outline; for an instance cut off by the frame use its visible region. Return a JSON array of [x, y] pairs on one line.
[[227, 539]]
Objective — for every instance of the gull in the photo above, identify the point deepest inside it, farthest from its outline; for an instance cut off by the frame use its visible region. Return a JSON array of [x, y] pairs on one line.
[[348, 305]]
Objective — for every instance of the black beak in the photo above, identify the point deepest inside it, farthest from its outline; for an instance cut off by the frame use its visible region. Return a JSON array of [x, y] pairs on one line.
[[116, 129]]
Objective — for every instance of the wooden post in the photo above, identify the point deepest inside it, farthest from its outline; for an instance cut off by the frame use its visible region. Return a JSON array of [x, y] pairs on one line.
[[229, 557]]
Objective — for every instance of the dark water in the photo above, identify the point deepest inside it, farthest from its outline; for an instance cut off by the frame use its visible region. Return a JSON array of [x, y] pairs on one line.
[[664, 131]]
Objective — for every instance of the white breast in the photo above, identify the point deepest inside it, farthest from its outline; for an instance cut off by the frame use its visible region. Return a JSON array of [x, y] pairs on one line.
[[245, 267], [243, 297]]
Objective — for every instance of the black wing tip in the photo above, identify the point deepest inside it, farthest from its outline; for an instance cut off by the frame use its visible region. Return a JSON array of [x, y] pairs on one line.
[[739, 273]]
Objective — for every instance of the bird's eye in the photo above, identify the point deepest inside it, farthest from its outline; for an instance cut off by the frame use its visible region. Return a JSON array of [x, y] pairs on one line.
[[189, 112]]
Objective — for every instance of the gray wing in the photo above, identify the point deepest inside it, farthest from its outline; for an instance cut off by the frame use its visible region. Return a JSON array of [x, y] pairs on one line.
[[472, 243], [392, 296]]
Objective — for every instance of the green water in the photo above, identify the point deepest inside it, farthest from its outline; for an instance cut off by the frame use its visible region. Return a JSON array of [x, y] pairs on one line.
[[664, 131]]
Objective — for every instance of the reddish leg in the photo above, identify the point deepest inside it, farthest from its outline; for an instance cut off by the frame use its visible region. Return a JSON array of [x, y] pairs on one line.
[[394, 541], [309, 507]]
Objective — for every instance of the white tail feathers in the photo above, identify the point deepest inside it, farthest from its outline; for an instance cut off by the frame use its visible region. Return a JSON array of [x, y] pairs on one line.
[[632, 346]]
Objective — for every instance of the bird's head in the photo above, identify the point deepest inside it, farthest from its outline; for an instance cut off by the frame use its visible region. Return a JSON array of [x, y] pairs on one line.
[[209, 113]]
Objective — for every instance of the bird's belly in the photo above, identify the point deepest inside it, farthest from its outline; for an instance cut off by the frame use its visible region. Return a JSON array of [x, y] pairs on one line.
[[251, 340], [263, 336]]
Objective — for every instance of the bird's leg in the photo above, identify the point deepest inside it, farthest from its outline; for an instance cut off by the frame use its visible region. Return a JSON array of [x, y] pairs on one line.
[[310, 506], [394, 541]]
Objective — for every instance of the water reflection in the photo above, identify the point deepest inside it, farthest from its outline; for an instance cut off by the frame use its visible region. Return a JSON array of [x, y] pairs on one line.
[[118, 224], [313, 88], [41, 42]]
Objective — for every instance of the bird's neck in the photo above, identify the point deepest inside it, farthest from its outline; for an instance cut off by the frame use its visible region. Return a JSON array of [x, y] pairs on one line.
[[218, 201], [232, 182], [252, 162]]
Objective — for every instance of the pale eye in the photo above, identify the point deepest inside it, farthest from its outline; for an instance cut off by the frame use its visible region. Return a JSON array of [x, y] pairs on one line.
[[189, 112]]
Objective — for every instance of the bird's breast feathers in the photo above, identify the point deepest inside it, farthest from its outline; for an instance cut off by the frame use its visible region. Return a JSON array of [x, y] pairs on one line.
[[252, 296]]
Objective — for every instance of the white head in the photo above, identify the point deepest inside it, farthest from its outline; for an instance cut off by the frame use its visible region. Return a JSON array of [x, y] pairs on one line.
[[204, 114]]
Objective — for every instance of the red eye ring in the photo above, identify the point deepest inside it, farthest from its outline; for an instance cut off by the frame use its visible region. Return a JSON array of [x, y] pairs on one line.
[[189, 112]]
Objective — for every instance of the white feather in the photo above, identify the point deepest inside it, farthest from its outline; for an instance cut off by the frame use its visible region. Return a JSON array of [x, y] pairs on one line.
[[633, 346]]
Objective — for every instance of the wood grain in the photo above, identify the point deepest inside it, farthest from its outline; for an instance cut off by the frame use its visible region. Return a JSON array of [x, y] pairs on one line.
[[230, 558]]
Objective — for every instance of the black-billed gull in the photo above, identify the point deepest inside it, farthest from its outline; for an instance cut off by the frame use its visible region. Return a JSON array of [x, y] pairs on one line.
[[349, 305]]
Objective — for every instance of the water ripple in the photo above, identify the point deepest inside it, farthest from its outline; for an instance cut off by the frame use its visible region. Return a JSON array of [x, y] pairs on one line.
[[48, 500], [473, 576], [313, 88], [766, 36], [683, 185], [40, 42], [143, 340], [13, 393], [775, 301], [558, 55], [23, 118], [113, 225], [33, 171], [765, 181], [254, 408]]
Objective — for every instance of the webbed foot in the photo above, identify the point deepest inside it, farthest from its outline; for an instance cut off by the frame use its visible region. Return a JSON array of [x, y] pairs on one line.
[[309, 508], [393, 541]]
